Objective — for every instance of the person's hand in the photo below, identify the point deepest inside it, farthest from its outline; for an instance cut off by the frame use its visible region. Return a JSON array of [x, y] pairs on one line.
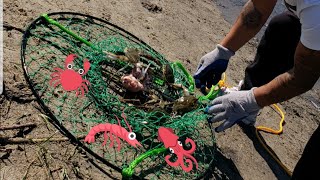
[[232, 108], [211, 66]]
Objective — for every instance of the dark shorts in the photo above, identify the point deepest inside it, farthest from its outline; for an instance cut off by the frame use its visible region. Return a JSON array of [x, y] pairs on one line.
[[275, 55], [275, 52]]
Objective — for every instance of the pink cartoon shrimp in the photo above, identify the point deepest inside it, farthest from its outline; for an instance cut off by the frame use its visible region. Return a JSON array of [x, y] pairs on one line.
[[114, 130]]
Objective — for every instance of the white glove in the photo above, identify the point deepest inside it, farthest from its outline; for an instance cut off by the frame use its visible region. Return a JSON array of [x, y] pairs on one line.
[[233, 107]]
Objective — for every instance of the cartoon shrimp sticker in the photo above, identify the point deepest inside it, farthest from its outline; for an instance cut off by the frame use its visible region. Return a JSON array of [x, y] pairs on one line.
[[114, 130]]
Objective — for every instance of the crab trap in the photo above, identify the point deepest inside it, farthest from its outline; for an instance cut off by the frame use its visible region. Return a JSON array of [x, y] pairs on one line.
[[137, 109]]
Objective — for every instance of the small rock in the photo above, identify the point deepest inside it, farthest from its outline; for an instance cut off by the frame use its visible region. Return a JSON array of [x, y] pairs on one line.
[[151, 7]]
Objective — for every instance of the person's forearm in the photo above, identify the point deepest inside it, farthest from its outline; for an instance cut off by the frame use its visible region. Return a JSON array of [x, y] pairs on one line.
[[300, 79], [253, 16]]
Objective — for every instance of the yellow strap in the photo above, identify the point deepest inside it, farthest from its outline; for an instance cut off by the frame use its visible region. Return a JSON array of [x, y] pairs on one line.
[[222, 83], [269, 130]]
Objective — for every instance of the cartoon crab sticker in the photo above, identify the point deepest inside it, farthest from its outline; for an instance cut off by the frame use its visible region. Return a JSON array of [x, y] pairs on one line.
[[70, 79]]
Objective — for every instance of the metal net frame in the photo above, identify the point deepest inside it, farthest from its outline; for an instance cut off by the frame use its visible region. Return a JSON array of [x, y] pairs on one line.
[[51, 38]]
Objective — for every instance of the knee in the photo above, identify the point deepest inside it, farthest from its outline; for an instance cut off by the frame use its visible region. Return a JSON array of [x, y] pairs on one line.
[[285, 24]]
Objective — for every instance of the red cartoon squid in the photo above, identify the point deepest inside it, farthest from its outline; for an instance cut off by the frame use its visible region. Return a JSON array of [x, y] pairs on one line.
[[69, 79], [170, 140]]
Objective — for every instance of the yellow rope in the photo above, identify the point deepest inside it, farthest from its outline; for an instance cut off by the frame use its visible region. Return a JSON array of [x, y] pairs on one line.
[[222, 83], [269, 130]]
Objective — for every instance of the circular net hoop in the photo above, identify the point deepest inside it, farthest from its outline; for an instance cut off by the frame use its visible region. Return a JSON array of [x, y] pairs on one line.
[[45, 47]]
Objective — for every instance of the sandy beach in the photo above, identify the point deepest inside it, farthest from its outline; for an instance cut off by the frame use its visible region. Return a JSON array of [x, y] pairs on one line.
[[182, 30]]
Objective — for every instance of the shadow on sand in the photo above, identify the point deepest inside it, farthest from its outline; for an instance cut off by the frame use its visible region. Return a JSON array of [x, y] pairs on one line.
[[278, 171], [223, 168]]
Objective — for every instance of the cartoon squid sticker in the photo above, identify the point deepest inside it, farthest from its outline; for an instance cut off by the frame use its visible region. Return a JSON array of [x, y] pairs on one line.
[[69, 79], [170, 140]]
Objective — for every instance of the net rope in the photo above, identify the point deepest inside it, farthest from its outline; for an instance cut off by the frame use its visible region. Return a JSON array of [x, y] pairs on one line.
[[47, 46]]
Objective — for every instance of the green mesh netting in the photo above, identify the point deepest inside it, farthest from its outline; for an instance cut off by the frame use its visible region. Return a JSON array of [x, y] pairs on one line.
[[46, 45]]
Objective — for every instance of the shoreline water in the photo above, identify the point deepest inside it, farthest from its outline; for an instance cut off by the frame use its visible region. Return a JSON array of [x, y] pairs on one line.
[[230, 9]]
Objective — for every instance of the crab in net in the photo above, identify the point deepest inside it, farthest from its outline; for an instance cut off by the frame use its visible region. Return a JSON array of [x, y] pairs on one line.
[[141, 80], [125, 75]]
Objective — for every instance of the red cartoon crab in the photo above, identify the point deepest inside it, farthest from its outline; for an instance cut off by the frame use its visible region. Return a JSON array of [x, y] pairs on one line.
[[69, 79]]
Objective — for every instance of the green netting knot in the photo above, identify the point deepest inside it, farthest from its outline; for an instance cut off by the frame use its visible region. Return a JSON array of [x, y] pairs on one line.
[[128, 172]]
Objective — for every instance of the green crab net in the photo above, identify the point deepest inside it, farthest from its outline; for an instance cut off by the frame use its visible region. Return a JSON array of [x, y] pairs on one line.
[[101, 98]]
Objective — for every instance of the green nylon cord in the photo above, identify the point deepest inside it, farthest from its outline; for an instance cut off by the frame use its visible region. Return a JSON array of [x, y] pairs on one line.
[[74, 35], [211, 95], [160, 82], [53, 22], [190, 78], [128, 172]]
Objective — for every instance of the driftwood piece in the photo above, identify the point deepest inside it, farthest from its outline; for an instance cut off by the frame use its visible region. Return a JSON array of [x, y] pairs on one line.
[[30, 125], [5, 140]]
